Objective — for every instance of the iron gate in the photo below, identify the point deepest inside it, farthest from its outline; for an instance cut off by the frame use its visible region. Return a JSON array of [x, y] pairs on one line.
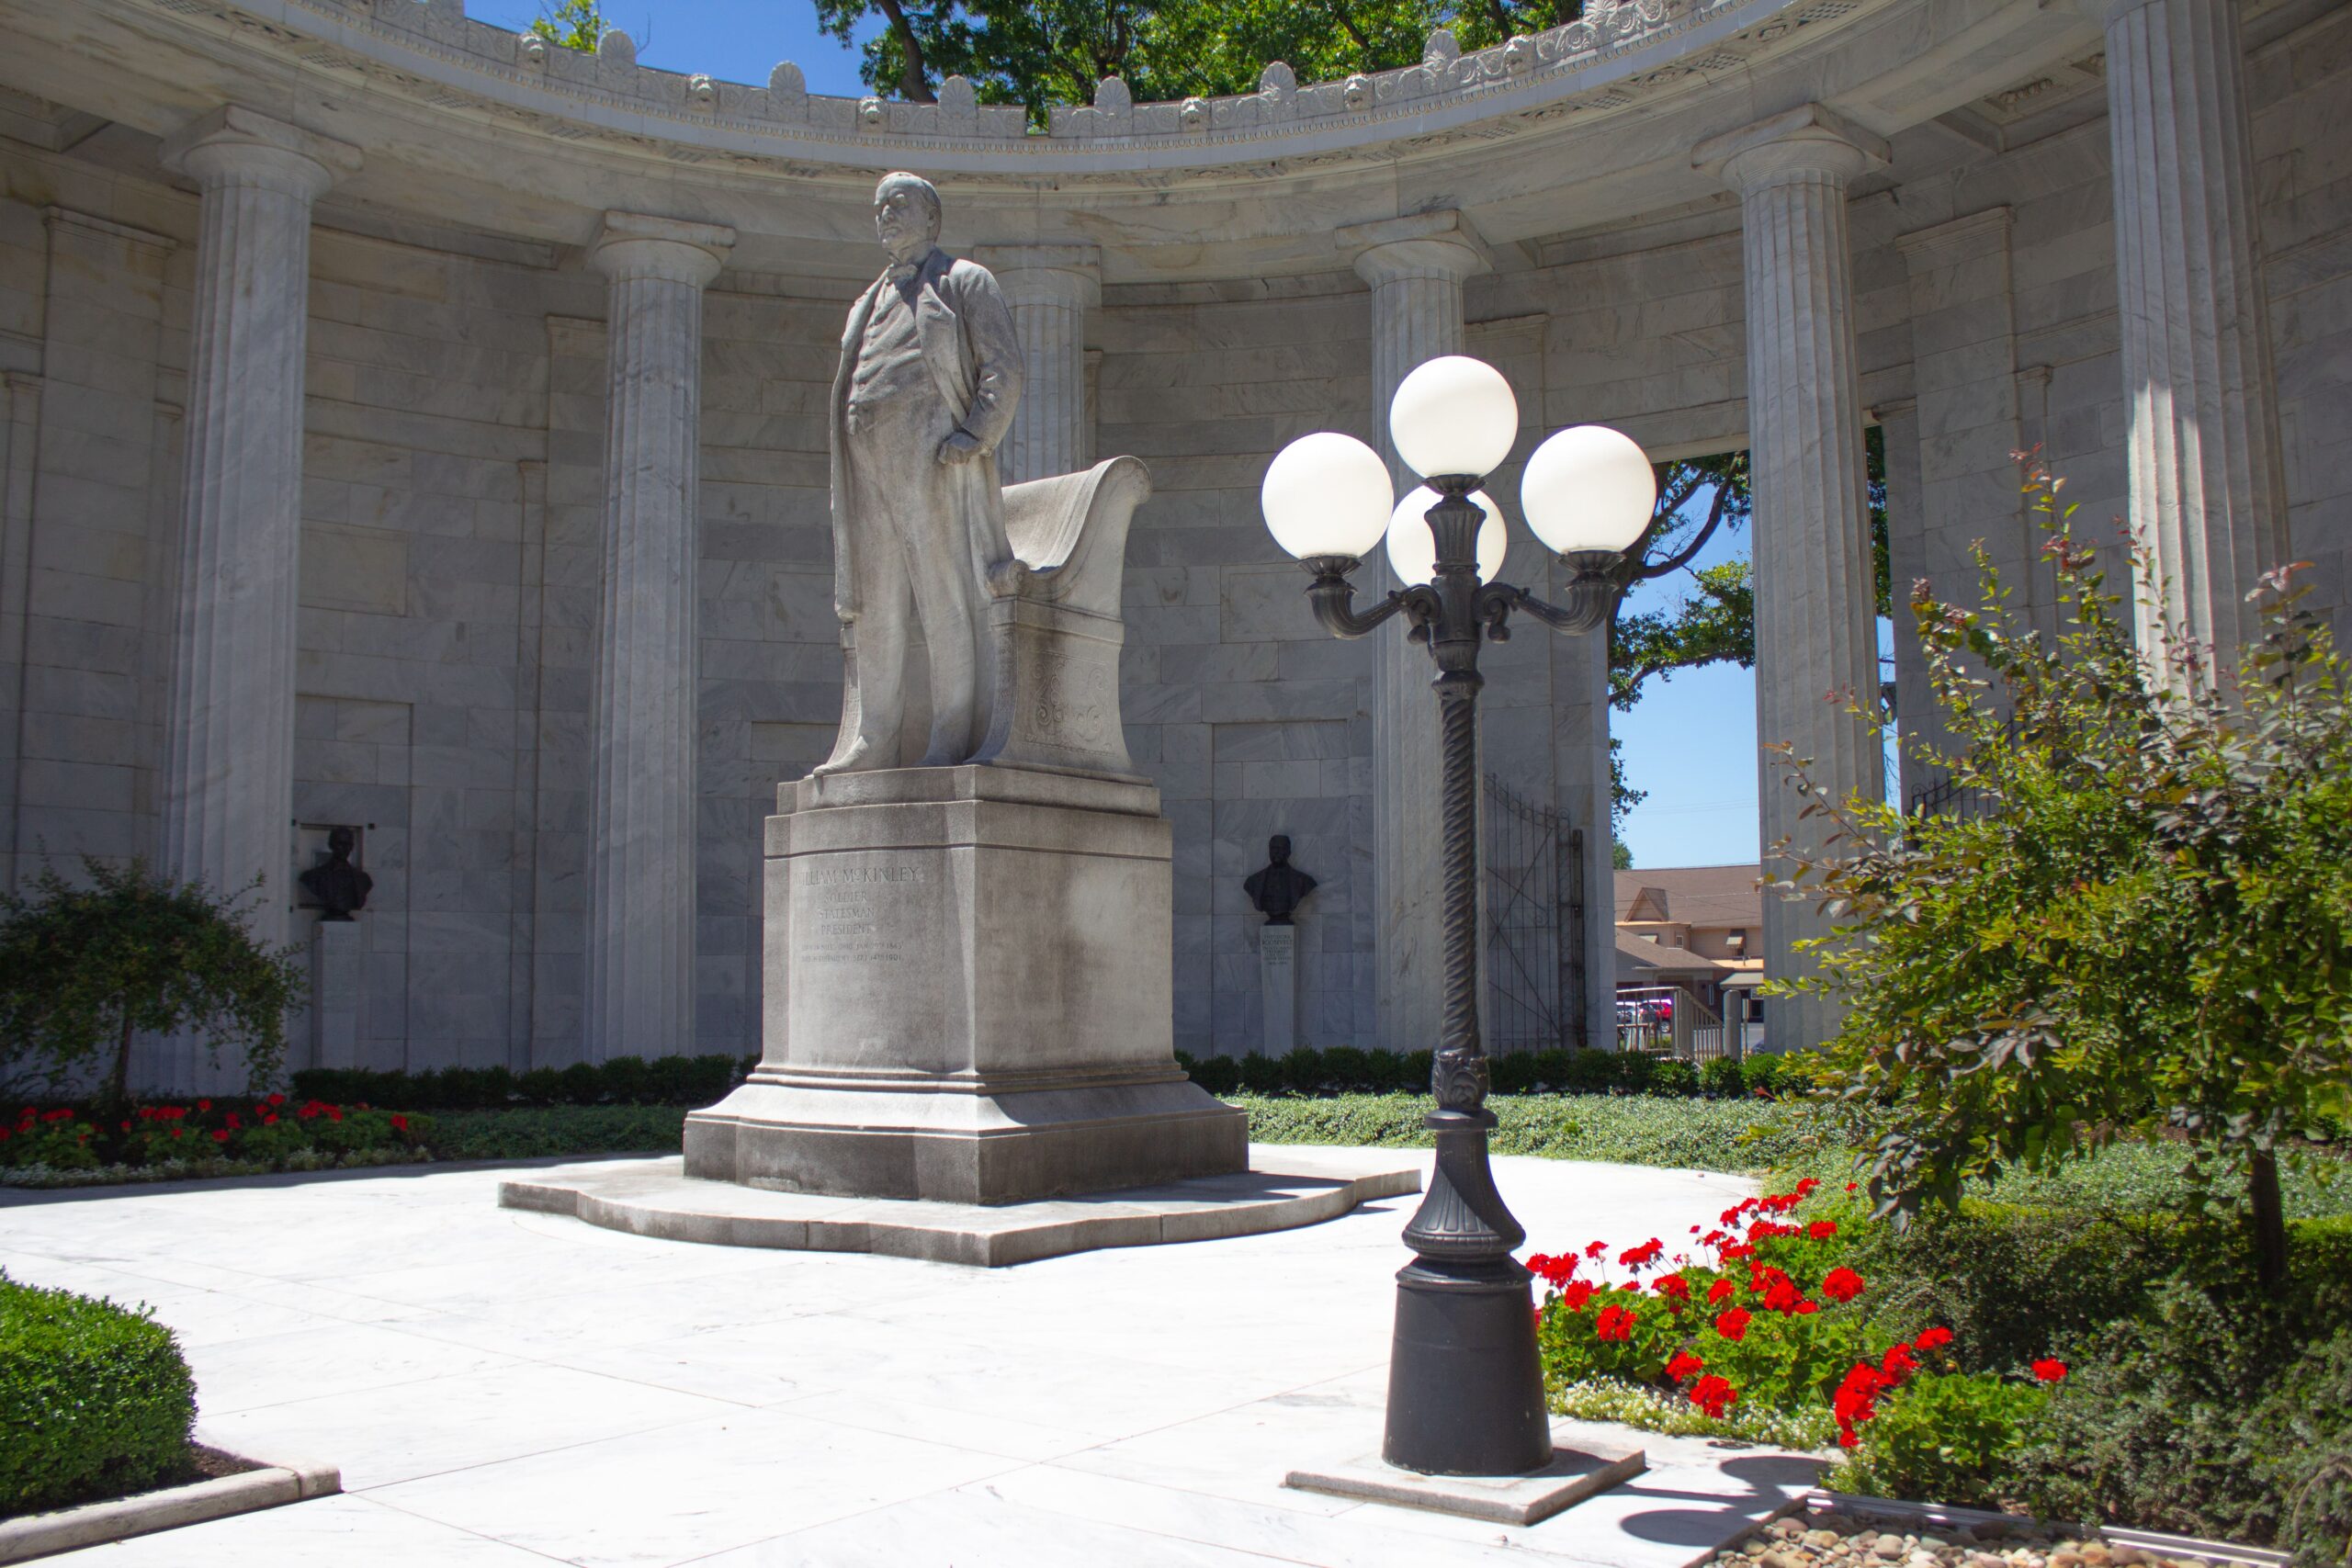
[[1534, 925]]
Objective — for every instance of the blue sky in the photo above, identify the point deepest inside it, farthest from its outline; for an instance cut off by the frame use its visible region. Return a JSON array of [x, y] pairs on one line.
[[1691, 742], [738, 40]]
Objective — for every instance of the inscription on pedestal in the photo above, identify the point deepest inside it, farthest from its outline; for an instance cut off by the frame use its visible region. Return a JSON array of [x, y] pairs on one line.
[[869, 954], [859, 913], [1278, 977]]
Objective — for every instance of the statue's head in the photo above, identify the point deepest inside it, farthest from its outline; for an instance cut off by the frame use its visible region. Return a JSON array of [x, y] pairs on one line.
[[1278, 849], [906, 215], [340, 842]]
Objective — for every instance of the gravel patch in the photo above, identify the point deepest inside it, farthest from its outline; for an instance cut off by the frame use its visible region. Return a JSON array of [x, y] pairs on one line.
[[1821, 1541]]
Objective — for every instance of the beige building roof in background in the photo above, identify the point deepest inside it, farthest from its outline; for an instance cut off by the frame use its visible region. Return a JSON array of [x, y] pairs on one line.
[[1692, 896]]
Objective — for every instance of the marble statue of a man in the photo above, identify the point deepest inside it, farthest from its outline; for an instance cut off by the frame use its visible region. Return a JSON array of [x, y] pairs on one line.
[[930, 375]]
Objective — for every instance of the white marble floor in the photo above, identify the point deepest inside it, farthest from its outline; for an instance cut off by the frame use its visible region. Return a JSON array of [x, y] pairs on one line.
[[503, 1388]]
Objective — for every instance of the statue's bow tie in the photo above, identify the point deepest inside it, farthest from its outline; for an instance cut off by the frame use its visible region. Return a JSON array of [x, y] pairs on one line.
[[904, 271]]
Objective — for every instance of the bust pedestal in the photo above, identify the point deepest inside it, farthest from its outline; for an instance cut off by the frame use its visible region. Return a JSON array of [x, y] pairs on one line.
[[966, 996], [1278, 986], [338, 979]]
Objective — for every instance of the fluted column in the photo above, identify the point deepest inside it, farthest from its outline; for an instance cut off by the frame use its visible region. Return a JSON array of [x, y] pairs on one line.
[[2202, 441], [1817, 642], [1050, 288], [228, 781], [1416, 267], [640, 958]]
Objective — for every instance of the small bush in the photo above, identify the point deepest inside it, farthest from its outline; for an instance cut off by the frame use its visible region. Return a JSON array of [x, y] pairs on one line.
[[95, 1401], [1946, 1440], [2304, 1426]]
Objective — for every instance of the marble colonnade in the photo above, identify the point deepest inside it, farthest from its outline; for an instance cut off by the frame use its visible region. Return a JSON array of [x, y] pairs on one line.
[[228, 779], [640, 940], [2201, 442], [1816, 638], [1417, 267]]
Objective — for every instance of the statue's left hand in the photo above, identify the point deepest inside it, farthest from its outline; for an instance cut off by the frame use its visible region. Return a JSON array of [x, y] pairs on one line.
[[959, 447]]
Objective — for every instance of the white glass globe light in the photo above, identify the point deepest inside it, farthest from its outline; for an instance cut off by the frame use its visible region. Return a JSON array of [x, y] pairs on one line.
[[1412, 543], [1326, 495], [1454, 415], [1587, 488]]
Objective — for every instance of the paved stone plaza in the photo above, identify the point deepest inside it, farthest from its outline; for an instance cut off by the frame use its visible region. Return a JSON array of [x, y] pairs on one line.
[[504, 1389]]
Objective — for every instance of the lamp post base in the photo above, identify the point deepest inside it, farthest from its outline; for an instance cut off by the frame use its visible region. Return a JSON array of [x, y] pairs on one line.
[[1466, 1390]]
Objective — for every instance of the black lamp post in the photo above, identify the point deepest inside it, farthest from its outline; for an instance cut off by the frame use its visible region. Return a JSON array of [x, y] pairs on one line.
[[1466, 1392]]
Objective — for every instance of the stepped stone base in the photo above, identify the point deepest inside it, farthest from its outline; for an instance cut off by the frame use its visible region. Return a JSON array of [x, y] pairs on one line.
[[1283, 1187]]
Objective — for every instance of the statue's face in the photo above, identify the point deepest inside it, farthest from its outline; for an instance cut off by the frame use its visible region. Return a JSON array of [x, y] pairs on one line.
[[904, 221], [1278, 849], [340, 841]]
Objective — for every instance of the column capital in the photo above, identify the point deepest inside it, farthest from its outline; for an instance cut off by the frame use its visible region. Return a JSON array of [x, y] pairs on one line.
[[1806, 141], [235, 145], [634, 244], [1046, 275], [1421, 245]]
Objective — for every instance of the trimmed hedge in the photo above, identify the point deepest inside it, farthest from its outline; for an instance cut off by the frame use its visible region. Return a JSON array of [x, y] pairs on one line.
[[1737, 1135], [624, 1080], [1344, 1069], [528, 1132], [96, 1400]]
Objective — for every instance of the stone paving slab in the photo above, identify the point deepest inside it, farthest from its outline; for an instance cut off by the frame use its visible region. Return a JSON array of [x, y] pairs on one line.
[[501, 1386], [1283, 1187]]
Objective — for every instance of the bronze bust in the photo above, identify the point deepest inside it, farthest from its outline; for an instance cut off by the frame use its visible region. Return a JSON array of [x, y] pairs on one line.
[[1280, 887], [338, 886]]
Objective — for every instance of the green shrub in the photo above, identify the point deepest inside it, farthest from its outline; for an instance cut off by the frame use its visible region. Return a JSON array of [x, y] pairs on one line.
[[1345, 1069], [559, 1130], [623, 1080], [2151, 1425], [1688, 1135], [1944, 1439], [95, 1401], [2304, 1428]]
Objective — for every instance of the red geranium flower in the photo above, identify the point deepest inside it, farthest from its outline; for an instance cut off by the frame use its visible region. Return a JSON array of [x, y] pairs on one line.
[[1841, 1284], [1822, 1230], [204, 1105], [1575, 1293], [278, 1100], [1684, 1367], [1673, 1285], [400, 1122], [1932, 1339], [1594, 1249], [1616, 1323], [220, 1135], [1714, 1395], [2050, 1372], [1898, 1363], [1732, 1324], [1719, 1291]]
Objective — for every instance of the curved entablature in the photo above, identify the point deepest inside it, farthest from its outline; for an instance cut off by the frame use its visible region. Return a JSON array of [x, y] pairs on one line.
[[1617, 53]]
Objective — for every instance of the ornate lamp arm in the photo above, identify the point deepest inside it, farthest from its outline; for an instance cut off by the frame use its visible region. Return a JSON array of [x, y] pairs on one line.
[[1333, 597], [1600, 577]]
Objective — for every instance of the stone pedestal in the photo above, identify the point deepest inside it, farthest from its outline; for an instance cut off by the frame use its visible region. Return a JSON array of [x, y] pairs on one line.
[[1278, 983], [966, 996], [338, 982]]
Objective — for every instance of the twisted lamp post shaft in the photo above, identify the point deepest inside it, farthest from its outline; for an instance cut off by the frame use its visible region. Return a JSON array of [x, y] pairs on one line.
[[1466, 1388]]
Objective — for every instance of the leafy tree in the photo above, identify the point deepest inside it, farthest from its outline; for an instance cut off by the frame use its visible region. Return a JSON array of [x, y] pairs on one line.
[[1714, 623], [83, 968], [572, 24], [2147, 926], [1056, 51]]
